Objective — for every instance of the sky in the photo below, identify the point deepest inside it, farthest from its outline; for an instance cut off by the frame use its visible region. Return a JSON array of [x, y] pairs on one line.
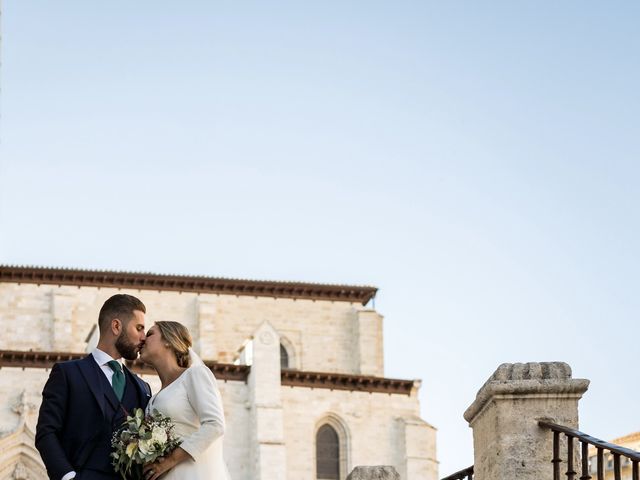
[[476, 161]]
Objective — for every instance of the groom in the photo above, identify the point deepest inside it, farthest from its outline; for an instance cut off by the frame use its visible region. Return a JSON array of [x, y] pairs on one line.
[[85, 400]]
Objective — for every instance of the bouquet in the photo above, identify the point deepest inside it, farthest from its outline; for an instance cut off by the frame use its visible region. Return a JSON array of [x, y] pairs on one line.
[[142, 439]]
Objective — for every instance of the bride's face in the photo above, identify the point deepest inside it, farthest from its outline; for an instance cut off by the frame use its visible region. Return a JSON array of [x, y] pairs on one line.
[[154, 346]]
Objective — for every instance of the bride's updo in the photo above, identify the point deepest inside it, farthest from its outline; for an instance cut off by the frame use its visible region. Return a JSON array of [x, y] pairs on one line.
[[178, 338]]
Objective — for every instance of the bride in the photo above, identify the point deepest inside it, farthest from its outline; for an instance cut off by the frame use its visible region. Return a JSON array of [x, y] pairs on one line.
[[190, 397]]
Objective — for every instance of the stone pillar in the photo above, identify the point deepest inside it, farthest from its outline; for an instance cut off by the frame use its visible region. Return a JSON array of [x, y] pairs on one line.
[[368, 343], [62, 331], [206, 343], [417, 449], [507, 441], [267, 421], [381, 472]]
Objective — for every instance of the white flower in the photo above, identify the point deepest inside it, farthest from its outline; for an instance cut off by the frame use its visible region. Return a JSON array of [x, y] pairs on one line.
[[146, 446], [159, 435]]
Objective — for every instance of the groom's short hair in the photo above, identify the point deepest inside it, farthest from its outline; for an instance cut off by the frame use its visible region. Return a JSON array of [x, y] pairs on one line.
[[119, 306]]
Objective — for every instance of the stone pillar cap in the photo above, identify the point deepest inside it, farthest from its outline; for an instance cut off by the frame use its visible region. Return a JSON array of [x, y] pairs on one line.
[[379, 472], [526, 379]]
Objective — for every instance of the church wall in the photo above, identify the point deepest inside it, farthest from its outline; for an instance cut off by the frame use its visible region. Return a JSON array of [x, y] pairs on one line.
[[323, 334], [13, 381], [373, 423]]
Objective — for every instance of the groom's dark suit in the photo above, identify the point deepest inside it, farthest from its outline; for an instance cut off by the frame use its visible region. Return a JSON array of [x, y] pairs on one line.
[[78, 415]]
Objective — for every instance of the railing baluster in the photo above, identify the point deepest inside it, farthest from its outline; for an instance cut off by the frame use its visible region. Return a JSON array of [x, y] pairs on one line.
[[616, 466], [556, 456], [461, 475], [587, 464], [600, 464], [585, 461], [571, 473]]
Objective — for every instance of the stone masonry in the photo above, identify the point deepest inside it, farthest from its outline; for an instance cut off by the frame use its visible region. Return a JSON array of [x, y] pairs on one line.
[[508, 443]]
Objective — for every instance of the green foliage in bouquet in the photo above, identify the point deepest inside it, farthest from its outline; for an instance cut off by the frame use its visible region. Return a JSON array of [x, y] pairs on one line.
[[142, 439]]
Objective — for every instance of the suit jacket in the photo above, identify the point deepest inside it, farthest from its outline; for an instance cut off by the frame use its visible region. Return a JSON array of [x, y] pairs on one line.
[[77, 412]]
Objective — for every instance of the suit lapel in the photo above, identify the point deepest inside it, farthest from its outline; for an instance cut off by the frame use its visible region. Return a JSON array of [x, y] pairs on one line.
[[110, 395], [91, 373], [141, 387]]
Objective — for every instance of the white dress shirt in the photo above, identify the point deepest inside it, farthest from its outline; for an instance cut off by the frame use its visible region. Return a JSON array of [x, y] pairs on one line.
[[102, 359]]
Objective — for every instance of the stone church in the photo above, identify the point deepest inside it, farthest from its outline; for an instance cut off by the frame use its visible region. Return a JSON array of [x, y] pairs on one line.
[[299, 365]]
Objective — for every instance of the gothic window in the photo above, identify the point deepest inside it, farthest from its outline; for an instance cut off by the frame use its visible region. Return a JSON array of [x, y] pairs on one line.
[[327, 453], [284, 357]]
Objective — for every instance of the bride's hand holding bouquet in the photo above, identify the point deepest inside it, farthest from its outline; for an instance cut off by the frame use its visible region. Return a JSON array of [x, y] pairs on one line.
[[142, 441]]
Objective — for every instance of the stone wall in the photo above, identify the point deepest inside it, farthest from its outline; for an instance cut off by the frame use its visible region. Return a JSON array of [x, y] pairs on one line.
[[372, 426], [324, 335]]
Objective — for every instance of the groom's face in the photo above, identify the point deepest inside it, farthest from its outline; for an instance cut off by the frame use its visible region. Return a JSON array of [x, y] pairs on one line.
[[132, 337]]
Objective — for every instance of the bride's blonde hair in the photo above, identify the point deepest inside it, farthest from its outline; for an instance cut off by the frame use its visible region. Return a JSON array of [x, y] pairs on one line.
[[177, 337]]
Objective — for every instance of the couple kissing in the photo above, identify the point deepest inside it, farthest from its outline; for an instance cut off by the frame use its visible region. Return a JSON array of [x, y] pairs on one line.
[[85, 401]]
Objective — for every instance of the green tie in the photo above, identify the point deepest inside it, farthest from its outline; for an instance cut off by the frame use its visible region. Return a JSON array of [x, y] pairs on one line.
[[117, 382]]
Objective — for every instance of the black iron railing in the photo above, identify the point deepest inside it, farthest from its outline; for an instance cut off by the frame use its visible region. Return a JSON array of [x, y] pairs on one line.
[[466, 474], [615, 451]]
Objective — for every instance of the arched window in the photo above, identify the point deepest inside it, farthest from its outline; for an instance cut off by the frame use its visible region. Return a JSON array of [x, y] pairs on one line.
[[288, 357], [327, 453], [284, 357]]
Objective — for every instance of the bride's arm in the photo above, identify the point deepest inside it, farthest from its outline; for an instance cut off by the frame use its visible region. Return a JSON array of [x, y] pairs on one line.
[[204, 397]]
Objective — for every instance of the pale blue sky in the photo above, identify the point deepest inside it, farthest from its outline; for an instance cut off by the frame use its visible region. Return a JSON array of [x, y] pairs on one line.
[[477, 161]]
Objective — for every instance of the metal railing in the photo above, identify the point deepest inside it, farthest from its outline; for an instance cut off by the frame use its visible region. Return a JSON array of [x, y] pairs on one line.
[[466, 474], [601, 447]]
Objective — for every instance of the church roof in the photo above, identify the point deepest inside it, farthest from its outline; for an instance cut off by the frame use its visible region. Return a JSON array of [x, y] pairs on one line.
[[186, 283]]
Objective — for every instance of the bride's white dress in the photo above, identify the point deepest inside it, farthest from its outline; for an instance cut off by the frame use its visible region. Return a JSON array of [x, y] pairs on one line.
[[193, 402]]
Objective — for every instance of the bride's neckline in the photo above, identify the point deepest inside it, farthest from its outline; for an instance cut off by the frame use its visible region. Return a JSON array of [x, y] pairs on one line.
[[175, 380]]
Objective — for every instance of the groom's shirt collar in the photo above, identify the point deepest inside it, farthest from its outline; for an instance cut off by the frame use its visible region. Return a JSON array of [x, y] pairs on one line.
[[103, 358]]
